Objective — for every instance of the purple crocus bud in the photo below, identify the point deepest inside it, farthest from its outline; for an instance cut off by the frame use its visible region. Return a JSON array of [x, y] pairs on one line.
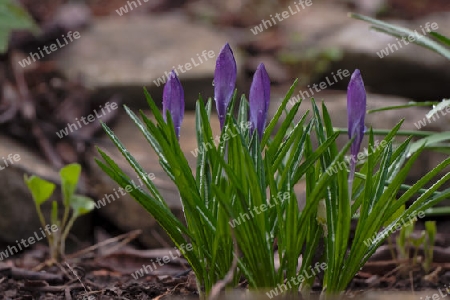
[[224, 81], [259, 99], [356, 113], [173, 101]]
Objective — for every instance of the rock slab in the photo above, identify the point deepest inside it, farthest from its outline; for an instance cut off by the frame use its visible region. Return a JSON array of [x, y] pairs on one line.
[[123, 54], [409, 71]]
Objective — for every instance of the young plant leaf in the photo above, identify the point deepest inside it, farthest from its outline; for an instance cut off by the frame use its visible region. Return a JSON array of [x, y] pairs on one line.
[[81, 205], [40, 189], [70, 175]]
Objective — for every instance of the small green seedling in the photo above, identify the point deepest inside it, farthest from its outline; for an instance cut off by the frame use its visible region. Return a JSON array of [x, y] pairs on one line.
[[407, 240], [417, 241], [41, 190], [404, 241], [397, 214], [430, 229]]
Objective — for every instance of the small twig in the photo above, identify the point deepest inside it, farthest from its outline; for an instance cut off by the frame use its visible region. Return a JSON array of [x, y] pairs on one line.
[[163, 295], [49, 288], [388, 274], [17, 273], [433, 276], [47, 263], [123, 243], [76, 275], [92, 284], [61, 267], [126, 236]]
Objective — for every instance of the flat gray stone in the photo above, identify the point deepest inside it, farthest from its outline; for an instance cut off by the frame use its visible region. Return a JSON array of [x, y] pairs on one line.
[[411, 71], [123, 54]]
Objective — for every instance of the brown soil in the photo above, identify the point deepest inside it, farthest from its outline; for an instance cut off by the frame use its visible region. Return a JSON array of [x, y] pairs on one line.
[[96, 276], [110, 276]]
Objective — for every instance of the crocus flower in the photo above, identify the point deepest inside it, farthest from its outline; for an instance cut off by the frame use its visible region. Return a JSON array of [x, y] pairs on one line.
[[259, 99], [224, 81], [173, 101], [356, 113]]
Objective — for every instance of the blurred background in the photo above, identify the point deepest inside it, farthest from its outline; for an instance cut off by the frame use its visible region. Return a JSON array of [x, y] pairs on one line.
[[123, 46]]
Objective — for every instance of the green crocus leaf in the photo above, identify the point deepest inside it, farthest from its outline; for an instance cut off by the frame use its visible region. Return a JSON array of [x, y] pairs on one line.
[[395, 216]]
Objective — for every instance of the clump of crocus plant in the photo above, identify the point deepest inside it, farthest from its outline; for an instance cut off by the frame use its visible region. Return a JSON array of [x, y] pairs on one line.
[[242, 196], [259, 99], [224, 81], [173, 101]]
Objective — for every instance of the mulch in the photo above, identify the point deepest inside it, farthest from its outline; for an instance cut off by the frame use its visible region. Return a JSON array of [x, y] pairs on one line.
[[114, 269], [111, 269]]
